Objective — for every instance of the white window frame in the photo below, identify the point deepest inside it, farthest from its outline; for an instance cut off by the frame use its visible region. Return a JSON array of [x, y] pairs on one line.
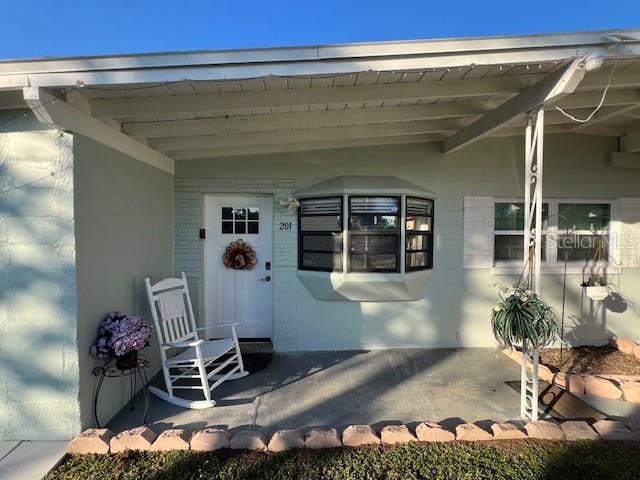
[[553, 264], [494, 233]]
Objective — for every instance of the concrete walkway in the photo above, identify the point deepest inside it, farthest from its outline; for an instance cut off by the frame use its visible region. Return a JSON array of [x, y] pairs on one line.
[[340, 388], [29, 460], [628, 413]]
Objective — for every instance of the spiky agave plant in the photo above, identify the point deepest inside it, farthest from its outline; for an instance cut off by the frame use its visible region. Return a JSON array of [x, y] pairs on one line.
[[522, 315]]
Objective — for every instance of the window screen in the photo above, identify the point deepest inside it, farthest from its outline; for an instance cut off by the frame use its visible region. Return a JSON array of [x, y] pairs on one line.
[[374, 234], [320, 242], [419, 234], [588, 228]]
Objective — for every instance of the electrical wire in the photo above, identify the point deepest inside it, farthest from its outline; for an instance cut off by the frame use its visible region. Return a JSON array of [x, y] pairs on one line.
[[604, 95], [56, 174], [323, 76], [81, 86], [25, 115], [130, 89]]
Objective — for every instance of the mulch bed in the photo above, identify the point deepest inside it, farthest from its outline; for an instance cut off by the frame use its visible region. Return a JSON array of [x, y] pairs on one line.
[[590, 360]]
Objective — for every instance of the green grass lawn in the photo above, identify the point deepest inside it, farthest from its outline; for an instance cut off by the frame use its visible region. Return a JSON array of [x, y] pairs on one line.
[[496, 460]]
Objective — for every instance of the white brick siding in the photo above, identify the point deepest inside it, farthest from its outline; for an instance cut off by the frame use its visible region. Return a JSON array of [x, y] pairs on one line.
[[189, 220]]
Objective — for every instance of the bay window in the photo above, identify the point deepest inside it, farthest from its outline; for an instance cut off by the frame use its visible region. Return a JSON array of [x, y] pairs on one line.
[[365, 238], [366, 234]]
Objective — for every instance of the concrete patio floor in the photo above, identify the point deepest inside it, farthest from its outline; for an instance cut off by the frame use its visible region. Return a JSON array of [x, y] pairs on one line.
[[301, 390]]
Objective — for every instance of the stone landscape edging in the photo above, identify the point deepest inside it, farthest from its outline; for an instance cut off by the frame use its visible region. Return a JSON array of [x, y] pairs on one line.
[[626, 346], [104, 441], [616, 387]]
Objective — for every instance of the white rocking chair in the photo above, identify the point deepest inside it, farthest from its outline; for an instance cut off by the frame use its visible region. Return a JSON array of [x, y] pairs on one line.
[[176, 330]]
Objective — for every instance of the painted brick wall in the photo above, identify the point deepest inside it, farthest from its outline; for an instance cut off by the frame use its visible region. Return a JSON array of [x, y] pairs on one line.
[[38, 354], [190, 192], [478, 231], [454, 310]]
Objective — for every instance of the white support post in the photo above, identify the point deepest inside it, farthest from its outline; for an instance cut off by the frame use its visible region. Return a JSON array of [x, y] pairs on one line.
[[534, 139], [529, 383]]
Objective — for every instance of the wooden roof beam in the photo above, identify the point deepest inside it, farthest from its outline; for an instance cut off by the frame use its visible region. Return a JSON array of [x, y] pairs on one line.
[[57, 113], [301, 120], [225, 125], [305, 135], [303, 146], [555, 86]]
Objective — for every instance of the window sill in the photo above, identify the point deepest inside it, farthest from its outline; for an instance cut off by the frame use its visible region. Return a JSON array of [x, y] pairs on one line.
[[366, 287]]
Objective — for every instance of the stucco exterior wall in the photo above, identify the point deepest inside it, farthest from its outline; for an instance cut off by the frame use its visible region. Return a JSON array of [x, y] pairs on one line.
[[457, 301], [124, 232], [38, 352]]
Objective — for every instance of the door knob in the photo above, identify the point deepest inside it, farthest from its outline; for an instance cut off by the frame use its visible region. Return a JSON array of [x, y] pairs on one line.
[[266, 279]]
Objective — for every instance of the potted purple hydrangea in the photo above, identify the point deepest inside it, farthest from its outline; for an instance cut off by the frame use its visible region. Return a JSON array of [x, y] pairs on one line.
[[121, 336]]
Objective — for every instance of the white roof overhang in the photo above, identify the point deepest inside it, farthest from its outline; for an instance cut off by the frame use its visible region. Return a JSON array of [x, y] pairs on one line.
[[179, 106], [314, 60]]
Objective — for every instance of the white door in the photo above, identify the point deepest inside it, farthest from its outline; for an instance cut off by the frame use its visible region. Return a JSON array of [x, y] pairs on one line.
[[243, 296]]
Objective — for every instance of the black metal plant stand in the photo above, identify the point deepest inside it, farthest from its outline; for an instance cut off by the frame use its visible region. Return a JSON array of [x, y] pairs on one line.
[[110, 371]]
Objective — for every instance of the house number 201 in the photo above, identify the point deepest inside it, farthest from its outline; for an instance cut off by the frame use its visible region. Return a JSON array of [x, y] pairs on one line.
[[285, 225]]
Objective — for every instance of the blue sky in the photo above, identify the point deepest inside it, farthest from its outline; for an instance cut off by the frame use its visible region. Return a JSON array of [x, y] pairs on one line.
[[93, 27]]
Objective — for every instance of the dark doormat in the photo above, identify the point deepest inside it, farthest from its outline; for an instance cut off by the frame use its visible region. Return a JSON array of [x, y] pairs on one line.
[[256, 356], [256, 361]]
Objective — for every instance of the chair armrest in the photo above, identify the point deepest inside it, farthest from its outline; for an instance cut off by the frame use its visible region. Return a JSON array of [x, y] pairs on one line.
[[233, 324], [188, 343]]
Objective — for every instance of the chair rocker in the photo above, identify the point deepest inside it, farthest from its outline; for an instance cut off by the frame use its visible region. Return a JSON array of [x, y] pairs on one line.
[[185, 357]]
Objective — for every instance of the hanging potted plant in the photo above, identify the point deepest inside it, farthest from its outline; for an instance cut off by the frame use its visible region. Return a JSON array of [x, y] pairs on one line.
[[522, 316], [121, 336], [596, 288]]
